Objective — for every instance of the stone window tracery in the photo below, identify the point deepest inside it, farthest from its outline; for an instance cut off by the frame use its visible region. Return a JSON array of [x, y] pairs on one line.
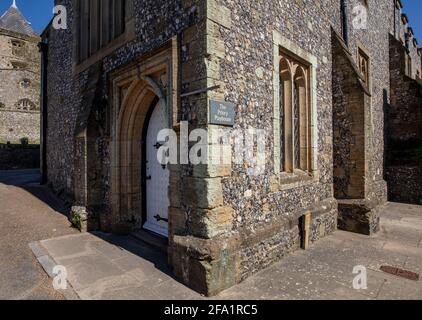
[[26, 105], [295, 114]]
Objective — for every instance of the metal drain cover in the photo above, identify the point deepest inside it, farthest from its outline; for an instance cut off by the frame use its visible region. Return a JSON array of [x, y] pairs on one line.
[[400, 273]]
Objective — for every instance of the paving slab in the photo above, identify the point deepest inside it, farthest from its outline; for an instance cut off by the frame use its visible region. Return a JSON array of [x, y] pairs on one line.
[[109, 267]]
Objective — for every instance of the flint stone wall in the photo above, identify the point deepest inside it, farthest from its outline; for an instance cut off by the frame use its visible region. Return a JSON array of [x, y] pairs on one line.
[[155, 23], [227, 224], [405, 184], [15, 125], [405, 112]]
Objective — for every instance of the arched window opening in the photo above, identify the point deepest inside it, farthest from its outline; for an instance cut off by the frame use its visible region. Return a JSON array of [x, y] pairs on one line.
[[294, 115], [26, 105], [25, 83]]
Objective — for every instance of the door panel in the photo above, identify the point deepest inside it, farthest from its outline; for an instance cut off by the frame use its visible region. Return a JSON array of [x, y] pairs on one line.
[[157, 175]]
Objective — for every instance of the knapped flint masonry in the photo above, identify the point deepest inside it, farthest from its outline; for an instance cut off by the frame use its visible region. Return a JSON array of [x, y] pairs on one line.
[[284, 67]]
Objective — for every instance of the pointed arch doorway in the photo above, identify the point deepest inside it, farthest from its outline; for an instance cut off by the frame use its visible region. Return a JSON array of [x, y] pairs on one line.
[[142, 105]]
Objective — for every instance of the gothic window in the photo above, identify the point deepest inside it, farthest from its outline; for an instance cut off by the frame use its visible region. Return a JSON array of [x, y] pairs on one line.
[[25, 105], [363, 63], [100, 22], [295, 113], [17, 43], [17, 47]]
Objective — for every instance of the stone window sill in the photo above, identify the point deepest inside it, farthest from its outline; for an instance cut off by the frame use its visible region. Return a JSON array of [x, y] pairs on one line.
[[297, 179]]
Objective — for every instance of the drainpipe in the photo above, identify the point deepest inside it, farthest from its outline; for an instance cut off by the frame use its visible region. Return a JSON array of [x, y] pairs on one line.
[[345, 21], [43, 47]]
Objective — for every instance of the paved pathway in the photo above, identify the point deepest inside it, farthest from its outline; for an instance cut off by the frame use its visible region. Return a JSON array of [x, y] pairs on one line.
[[28, 212], [103, 266]]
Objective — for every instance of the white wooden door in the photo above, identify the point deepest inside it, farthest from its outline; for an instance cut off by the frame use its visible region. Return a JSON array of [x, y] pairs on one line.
[[157, 175]]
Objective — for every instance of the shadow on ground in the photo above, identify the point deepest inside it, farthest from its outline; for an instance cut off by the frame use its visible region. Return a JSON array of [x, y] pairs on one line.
[[29, 180]]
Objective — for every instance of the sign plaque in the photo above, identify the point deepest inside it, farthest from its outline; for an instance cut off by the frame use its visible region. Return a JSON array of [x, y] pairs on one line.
[[221, 113]]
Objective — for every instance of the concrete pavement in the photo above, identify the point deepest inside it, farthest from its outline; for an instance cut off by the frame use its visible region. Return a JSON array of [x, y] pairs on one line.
[[28, 212], [102, 266]]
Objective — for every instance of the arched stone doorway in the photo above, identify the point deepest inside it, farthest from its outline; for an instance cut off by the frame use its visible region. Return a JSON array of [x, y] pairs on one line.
[[135, 90], [129, 190]]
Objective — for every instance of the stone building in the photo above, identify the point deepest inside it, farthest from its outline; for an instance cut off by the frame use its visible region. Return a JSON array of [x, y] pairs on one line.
[[314, 76], [19, 78], [404, 117]]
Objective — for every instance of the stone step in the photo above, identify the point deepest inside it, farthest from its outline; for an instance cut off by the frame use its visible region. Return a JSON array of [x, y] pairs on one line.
[[151, 239]]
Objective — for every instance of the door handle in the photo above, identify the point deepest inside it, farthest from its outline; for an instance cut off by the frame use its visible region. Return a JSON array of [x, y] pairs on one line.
[[159, 218]]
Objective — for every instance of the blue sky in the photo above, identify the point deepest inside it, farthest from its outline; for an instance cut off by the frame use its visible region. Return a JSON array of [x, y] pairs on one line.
[[39, 12], [413, 9]]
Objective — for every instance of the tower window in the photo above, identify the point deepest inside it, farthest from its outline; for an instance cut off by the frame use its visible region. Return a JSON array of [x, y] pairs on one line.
[[26, 104], [25, 83], [18, 47]]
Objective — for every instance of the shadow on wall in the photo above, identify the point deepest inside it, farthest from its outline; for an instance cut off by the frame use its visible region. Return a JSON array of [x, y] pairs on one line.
[[19, 156], [404, 171], [403, 161]]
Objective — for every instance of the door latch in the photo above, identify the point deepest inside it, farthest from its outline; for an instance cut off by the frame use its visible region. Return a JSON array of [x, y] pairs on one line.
[[159, 218], [158, 145]]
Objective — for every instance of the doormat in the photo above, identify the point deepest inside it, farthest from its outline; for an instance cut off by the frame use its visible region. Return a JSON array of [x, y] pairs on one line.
[[400, 273]]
